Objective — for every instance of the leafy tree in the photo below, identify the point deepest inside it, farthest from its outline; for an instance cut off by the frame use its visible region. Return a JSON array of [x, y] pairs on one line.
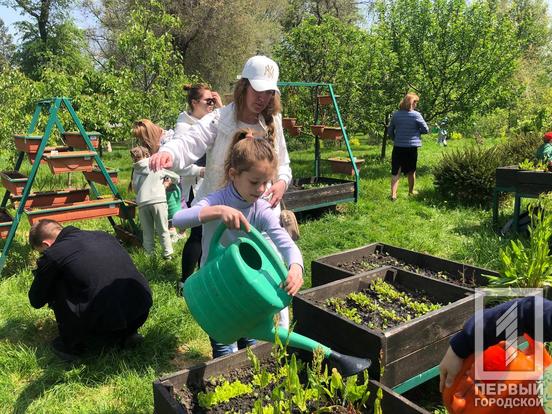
[[298, 10], [7, 47]]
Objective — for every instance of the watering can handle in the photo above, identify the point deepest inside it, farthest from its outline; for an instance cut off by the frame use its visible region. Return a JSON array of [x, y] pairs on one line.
[[216, 248]]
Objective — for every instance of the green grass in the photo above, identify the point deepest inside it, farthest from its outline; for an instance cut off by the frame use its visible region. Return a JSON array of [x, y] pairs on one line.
[[33, 380]]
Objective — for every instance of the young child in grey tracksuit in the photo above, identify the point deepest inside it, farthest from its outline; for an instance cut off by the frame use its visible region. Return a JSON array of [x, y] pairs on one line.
[[152, 201]]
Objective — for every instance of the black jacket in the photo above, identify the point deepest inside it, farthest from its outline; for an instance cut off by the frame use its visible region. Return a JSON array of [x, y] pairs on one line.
[[92, 276]]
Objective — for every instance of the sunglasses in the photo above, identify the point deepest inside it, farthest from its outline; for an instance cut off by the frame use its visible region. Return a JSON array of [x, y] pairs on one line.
[[210, 101]]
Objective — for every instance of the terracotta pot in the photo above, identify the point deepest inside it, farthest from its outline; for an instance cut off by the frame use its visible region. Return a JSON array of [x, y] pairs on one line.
[[13, 181], [344, 166], [5, 223], [70, 161], [317, 130], [97, 176], [53, 198], [27, 143], [47, 150], [295, 130], [129, 211], [325, 99], [332, 133], [102, 207], [288, 123], [76, 140]]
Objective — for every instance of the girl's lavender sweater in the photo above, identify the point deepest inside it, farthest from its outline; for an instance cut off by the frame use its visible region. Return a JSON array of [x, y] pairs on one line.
[[259, 214]]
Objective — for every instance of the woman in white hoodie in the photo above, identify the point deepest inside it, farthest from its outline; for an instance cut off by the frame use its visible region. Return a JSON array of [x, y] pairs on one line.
[[201, 101]]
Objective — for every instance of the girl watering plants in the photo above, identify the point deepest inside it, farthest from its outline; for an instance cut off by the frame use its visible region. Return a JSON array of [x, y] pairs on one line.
[[250, 166], [405, 130]]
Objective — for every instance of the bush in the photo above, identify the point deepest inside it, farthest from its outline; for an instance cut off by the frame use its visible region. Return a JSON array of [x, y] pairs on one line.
[[520, 147], [467, 176]]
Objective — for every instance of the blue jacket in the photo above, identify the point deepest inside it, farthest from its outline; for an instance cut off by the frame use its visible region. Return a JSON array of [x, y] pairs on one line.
[[406, 127]]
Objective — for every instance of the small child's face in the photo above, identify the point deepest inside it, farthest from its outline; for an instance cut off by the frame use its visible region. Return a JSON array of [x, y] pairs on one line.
[[251, 184]]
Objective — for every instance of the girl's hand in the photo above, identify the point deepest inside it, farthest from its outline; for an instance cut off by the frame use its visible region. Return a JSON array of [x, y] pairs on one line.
[[232, 218], [277, 191], [449, 367], [160, 160], [218, 101], [294, 279]]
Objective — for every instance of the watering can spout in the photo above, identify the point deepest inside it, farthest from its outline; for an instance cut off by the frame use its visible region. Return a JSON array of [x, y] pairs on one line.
[[347, 365]]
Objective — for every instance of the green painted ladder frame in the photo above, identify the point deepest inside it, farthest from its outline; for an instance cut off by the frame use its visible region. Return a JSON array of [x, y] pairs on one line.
[[53, 105], [318, 85]]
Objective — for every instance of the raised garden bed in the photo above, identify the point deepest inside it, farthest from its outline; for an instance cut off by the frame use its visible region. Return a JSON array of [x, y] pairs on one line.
[[76, 140], [344, 165], [403, 350], [524, 182], [27, 143], [5, 223], [97, 176], [13, 181], [53, 198], [314, 192], [177, 392], [71, 161], [350, 262], [102, 207]]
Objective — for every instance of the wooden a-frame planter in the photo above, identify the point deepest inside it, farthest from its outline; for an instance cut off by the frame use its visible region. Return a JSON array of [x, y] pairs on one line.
[[328, 191], [344, 165], [71, 161], [74, 139], [165, 389], [53, 198], [407, 349], [327, 269], [102, 207], [97, 176], [27, 143], [47, 150], [5, 223], [13, 181]]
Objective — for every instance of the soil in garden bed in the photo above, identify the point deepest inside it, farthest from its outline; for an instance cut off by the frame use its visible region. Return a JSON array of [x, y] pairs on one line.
[[378, 259], [293, 187], [4, 216], [382, 305]]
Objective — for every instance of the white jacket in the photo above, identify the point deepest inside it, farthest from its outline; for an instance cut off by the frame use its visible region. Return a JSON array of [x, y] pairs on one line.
[[189, 176], [212, 135], [148, 185]]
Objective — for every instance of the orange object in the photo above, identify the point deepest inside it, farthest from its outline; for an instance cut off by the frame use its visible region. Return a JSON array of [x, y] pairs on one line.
[[465, 398]]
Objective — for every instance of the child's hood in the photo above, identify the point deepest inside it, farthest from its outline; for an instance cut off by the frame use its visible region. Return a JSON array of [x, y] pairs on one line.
[[142, 166]]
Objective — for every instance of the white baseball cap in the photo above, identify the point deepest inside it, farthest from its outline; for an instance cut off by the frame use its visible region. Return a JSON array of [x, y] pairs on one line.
[[262, 73]]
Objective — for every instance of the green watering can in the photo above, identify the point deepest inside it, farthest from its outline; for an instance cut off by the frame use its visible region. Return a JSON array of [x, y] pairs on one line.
[[237, 292]]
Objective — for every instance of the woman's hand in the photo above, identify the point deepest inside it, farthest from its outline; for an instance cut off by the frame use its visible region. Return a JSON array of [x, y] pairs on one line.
[[277, 191], [232, 218], [218, 101], [449, 367], [294, 279], [160, 160]]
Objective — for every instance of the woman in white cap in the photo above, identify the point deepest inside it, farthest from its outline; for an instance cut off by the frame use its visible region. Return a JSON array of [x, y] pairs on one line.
[[256, 107]]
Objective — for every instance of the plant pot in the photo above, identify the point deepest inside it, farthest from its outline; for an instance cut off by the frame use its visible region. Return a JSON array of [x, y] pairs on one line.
[[27, 143], [166, 390], [127, 237], [128, 210], [102, 207], [71, 161], [315, 192], [288, 123], [332, 133], [295, 130], [76, 140], [403, 351], [317, 130], [344, 165], [53, 198], [325, 99], [5, 223], [97, 176], [47, 150], [333, 267], [13, 181]]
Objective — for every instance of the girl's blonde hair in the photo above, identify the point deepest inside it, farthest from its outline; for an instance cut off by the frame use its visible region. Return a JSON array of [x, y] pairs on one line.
[[246, 150], [274, 107], [407, 103], [139, 153], [148, 134]]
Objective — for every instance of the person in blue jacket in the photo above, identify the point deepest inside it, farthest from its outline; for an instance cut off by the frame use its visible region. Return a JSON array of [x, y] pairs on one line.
[[462, 344], [405, 129]]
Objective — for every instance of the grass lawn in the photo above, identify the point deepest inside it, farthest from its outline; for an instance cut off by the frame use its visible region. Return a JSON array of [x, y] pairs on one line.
[[33, 380]]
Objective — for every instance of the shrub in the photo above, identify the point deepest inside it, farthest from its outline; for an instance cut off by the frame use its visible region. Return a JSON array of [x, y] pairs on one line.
[[467, 176], [456, 135], [520, 147]]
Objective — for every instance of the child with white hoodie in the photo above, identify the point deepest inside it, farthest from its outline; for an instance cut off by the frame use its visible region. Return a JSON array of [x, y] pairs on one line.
[[152, 201]]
